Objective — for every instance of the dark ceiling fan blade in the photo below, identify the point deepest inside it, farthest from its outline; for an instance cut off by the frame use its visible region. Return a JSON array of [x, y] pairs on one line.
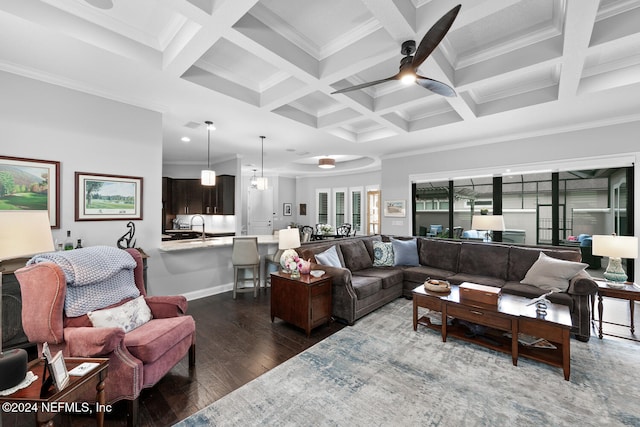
[[436, 86], [434, 36], [363, 85]]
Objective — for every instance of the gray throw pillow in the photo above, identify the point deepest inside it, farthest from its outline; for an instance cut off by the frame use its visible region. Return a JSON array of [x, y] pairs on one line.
[[329, 257], [405, 252], [551, 274], [382, 254]]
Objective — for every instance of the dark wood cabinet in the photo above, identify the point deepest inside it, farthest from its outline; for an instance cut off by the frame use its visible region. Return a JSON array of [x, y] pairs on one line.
[[189, 197], [303, 302], [186, 196]]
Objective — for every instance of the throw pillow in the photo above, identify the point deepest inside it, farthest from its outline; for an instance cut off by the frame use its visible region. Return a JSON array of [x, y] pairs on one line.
[[127, 316], [405, 252], [329, 257], [382, 254], [552, 274]]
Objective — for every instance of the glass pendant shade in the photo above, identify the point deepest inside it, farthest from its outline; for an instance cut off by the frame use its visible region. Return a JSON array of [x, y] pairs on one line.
[[262, 183], [208, 177]]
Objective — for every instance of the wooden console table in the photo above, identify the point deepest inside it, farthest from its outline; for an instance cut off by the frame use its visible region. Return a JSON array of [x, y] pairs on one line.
[[303, 302], [512, 315], [47, 406]]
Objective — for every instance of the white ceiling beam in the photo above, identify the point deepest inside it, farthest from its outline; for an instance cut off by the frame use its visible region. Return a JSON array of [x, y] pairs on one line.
[[578, 25], [217, 25], [392, 19]]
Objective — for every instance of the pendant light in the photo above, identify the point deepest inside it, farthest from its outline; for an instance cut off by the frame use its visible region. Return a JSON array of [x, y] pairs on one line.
[[208, 176], [253, 183], [261, 183]]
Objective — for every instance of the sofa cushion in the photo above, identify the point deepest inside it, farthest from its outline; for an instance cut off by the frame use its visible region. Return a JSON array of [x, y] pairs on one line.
[[390, 276], [382, 254], [329, 257], [365, 286], [440, 254], [421, 273], [488, 260], [405, 252], [552, 274], [521, 259], [153, 339], [530, 291], [355, 255], [458, 278]]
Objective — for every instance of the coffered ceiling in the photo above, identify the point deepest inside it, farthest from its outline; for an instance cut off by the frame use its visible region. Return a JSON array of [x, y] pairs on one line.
[[268, 67]]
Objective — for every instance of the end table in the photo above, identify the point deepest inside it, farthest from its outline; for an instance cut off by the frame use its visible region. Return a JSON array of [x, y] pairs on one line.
[[630, 292], [304, 302]]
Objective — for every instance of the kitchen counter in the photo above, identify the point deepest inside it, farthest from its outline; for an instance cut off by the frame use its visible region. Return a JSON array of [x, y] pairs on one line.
[[211, 242]]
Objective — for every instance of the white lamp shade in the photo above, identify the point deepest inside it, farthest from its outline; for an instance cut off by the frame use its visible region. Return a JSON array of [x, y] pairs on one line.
[[262, 183], [289, 238], [488, 222], [24, 233], [208, 177], [615, 246]]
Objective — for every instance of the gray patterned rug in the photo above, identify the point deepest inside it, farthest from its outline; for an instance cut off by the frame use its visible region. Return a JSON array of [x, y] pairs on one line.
[[381, 372]]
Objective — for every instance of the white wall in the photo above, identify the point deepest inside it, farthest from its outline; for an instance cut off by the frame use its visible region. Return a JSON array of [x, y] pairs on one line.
[[86, 134]]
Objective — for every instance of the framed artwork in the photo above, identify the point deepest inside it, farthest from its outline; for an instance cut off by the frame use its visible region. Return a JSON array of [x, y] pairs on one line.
[[395, 208], [108, 197], [57, 369], [287, 209], [303, 208], [30, 184]]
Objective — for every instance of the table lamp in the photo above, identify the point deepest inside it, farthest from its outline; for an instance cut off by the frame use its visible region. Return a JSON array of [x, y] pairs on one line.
[[22, 233], [616, 248], [488, 223], [288, 239]]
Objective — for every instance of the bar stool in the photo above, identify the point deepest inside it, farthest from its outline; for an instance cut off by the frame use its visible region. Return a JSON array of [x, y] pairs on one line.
[[245, 256]]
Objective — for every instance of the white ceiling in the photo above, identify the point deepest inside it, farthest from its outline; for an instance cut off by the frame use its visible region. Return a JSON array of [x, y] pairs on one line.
[[520, 68]]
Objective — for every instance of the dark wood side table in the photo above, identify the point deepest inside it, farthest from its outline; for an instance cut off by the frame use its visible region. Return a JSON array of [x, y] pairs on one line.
[[630, 292], [303, 302], [47, 406]]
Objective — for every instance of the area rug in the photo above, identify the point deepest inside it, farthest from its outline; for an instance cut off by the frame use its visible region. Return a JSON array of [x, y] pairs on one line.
[[380, 372]]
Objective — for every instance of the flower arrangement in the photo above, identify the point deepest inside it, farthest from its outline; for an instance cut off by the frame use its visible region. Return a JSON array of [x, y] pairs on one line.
[[325, 228]]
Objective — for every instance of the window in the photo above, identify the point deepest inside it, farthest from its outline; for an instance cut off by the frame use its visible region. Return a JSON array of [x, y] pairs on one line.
[[322, 198], [356, 210], [340, 207]]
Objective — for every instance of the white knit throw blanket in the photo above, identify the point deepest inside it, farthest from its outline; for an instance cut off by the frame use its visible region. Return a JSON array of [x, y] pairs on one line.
[[97, 276]]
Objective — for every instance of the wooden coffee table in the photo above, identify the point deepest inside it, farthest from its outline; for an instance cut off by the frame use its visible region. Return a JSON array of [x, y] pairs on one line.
[[511, 316], [48, 405]]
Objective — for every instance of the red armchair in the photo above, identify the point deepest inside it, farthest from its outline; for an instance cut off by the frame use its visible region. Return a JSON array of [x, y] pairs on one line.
[[137, 359]]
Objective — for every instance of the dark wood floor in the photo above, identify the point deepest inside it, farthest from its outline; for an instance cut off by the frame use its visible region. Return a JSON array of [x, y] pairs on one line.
[[236, 342]]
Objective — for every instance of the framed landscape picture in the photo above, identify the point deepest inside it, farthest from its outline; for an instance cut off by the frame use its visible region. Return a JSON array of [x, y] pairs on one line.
[[108, 197], [395, 208], [30, 184]]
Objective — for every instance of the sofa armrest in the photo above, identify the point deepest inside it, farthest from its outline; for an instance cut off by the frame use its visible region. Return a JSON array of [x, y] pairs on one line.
[[92, 342], [340, 276], [582, 284], [163, 306]]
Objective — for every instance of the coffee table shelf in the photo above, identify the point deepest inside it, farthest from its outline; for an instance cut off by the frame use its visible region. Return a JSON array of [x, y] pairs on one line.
[[512, 315]]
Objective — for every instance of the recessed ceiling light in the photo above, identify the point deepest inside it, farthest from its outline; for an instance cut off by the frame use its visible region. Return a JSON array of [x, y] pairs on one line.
[[101, 4], [185, 139]]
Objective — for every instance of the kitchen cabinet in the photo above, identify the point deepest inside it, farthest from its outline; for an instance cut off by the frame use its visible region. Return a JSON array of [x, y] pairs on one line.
[[189, 197], [186, 197]]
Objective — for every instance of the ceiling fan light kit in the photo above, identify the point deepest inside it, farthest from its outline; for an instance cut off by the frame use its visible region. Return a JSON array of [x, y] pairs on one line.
[[413, 58], [327, 163]]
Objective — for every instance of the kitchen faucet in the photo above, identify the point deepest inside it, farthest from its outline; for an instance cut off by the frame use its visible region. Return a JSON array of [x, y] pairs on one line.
[[191, 224]]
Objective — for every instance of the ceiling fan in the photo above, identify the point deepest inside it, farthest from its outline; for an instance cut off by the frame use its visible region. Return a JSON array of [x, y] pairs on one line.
[[410, 63]]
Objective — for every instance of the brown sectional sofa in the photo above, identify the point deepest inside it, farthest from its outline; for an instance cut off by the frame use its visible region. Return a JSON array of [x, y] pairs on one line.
[[360, 288]]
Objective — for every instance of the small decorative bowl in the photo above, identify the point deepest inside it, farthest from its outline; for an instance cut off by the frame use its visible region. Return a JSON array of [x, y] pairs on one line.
[[437, 285], [316, 273]]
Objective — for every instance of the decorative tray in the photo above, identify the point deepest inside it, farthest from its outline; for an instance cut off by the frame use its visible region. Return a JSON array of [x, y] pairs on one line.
[[437, 285]]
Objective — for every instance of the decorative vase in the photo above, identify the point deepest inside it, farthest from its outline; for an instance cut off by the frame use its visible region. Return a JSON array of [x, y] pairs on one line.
[[304, 266], [295, 274]]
